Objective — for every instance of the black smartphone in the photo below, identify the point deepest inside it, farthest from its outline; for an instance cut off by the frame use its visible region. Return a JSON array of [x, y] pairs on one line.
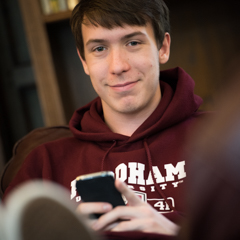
[[99, 187]]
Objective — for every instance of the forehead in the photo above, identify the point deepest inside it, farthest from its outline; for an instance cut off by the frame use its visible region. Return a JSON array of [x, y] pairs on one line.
[[90, 31]]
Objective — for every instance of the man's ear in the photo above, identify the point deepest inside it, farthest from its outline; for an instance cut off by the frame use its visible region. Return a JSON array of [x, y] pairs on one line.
[[164, 52], [85, 67]]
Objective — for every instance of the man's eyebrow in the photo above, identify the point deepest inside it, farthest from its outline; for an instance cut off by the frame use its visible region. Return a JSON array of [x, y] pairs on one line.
[[133, 35], [130, 35], [95, 41]]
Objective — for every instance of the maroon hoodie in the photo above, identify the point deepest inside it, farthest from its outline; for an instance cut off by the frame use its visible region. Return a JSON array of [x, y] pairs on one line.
[[151, 161]]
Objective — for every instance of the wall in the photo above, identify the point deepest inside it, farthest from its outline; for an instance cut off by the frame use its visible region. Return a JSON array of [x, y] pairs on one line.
[[205, 42]]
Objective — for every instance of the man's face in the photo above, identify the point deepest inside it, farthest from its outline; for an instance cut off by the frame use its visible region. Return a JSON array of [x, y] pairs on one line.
[[123, 64]]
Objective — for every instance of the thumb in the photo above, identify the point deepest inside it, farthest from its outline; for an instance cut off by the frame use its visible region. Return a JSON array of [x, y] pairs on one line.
[[132, 198]]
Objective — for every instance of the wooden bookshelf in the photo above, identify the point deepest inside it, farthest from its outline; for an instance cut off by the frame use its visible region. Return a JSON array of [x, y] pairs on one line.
[[56, 17], [42, 60]]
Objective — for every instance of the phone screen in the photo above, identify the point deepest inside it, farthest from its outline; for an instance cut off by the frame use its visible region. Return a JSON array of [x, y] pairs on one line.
[[99, 187]]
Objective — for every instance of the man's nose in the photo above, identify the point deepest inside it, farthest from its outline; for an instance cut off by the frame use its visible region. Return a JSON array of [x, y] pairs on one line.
[[118, 62]]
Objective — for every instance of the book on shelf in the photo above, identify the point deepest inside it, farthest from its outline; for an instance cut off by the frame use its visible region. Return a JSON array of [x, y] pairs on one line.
[[72, 3], [54, 6]]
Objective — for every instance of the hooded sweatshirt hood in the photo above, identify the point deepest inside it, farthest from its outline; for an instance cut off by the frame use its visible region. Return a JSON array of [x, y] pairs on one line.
[[178, 102]]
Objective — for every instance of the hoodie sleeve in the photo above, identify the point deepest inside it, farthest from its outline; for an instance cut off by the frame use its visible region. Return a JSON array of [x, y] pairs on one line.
[[35, 166]]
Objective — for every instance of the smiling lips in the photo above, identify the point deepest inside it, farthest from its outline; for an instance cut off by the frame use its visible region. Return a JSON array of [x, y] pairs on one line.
[[123, 86]]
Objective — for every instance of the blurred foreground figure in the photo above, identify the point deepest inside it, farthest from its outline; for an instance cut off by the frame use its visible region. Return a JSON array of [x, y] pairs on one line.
[[214, 196], [41, 210]]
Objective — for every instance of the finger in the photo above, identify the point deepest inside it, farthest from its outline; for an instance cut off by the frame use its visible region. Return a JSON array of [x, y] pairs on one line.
[[110, 226], [132, 225], [120, 213], [93, 207], [147, 225], [132, 198]]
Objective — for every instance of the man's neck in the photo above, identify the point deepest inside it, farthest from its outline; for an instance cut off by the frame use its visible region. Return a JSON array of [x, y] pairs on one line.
[[126, 124]]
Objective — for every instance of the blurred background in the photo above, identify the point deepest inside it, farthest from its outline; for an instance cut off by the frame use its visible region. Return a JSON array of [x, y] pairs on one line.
[[41, 78]]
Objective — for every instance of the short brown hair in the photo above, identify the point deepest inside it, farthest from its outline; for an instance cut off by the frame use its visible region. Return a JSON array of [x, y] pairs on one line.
[[112, 13]]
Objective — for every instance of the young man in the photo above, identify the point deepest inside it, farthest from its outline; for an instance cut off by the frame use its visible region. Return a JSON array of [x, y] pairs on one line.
[[135, 128]]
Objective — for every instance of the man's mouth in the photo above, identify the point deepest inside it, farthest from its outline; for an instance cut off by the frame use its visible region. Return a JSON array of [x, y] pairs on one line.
[[123, 86]]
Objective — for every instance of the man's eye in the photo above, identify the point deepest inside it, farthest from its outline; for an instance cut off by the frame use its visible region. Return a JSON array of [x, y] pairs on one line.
[[133, 43], [98, 49]]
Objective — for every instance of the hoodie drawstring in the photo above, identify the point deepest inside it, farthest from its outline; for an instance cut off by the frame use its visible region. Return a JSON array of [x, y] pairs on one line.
[[106, 153], [149, 158]]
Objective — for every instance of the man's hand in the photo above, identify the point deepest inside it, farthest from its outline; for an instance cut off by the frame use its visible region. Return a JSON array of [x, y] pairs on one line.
[[137, 216]]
